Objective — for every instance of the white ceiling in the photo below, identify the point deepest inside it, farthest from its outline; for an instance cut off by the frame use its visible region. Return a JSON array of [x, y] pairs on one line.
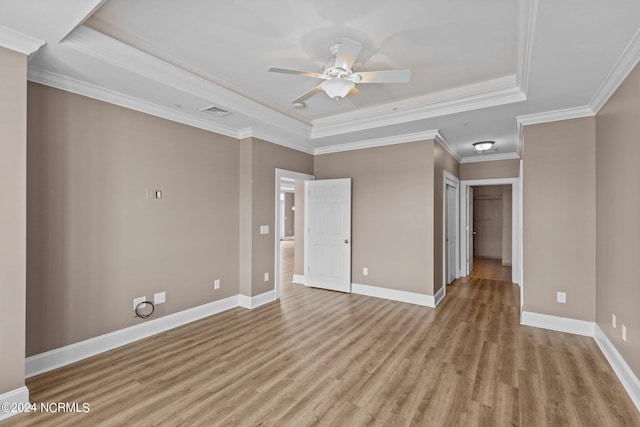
[[475, 66]]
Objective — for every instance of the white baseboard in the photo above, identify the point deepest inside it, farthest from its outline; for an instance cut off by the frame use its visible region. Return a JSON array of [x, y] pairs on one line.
[[19, 395], [256, 301], [62, 356], [439, 296], [299, 279], [393, 294], [555, 323], [626, 376]]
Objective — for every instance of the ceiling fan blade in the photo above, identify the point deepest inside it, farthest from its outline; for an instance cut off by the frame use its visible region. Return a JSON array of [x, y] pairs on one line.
[[349, 51], [298, 73], [307, 95], [356, 97], [390, 76]]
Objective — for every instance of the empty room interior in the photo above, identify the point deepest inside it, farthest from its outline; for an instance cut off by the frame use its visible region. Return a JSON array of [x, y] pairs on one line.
[[319, 213]]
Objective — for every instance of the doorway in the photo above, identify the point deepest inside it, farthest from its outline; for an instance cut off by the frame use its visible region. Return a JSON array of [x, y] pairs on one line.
[[490, 241], [451, 261], [467, 223], [288, 235]]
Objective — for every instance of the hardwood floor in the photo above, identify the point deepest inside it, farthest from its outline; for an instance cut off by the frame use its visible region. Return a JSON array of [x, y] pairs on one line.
[[489, 268], [326, 358], [287, 248]]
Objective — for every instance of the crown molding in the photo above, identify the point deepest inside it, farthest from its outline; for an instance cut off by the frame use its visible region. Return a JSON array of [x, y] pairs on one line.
[[448, 147], [467, 103], [489, 157], [268, 136], [106, 49], [547, 117], [528, 14], [623, 66], [19, 42], [245, 133], [58, 81], [377, 142], [404, 105], [555, 115]]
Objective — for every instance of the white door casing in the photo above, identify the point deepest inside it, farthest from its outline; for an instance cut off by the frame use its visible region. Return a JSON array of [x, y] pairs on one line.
[[328, 234], [450, 236], [451, 241], [470, 231], [516, 221]]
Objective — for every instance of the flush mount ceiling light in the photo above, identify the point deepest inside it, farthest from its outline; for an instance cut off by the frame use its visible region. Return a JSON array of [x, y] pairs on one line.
[[483, 146]]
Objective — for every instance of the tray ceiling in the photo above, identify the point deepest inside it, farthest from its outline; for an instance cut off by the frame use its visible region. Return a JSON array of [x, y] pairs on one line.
[[475, 66]]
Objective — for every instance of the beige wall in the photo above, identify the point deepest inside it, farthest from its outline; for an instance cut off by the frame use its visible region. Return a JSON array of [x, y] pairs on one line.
[[618, 217], [298, 250], [95, 241], [392, 212], [289, 215], [13, 217], [442, 161], [559, 218], [266, 157], [490, 170]]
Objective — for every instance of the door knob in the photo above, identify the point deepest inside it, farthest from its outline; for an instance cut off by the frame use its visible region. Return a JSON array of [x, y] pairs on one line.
[[346, 240]]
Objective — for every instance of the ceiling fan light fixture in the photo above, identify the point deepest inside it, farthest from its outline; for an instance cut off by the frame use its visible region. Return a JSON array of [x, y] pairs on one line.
[[337, 88], [483, 146]]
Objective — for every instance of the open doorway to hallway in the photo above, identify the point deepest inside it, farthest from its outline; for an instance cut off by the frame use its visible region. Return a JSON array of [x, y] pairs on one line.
[[289, 235]]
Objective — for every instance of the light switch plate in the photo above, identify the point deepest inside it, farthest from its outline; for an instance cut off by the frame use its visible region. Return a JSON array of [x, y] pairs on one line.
[[264, 229], [138, 300], [160, 298]]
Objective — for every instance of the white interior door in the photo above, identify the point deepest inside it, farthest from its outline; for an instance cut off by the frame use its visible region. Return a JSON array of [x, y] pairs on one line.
[[450, 229], [328, 234], [469, 230]]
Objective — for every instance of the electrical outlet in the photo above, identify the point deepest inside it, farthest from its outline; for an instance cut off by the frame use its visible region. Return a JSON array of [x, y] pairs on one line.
[[365, 271], [613, 321], [216, 284], [266, 277], [138, 300], [561, 297], [624, 333], [153, 193], [160, 298]]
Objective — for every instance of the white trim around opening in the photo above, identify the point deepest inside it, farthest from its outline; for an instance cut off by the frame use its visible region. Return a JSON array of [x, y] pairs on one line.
[[450, 180], [516, 224]]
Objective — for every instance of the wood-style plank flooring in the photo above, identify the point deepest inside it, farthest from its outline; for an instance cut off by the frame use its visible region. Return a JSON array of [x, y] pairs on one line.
[[326, 358], [490, 268]]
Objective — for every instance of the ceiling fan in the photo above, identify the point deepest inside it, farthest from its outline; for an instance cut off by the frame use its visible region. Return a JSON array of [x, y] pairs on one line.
[[339, 79]]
